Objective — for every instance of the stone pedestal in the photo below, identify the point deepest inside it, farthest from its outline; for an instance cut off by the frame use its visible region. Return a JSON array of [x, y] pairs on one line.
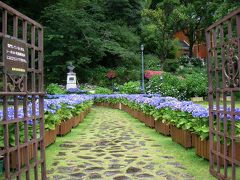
[[71, 80]]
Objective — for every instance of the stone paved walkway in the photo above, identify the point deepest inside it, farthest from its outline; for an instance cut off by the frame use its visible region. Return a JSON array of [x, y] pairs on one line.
[[109, 148]]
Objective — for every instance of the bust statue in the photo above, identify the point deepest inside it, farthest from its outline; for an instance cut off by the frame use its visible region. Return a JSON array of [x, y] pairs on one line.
[[71, 77], [71, 67]]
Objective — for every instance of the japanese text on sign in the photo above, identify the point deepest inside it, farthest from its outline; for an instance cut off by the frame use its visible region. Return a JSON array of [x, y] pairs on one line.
[[15, 56]]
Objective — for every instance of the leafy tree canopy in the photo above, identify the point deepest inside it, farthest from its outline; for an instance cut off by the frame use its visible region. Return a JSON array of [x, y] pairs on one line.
[[91, 34], [98, 35]]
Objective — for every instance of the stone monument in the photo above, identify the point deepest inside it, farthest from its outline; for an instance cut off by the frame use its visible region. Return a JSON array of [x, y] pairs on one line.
[[71, 77]]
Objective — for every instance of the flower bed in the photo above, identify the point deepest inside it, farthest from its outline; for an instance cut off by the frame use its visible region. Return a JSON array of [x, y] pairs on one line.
[[194, 136], [237, 147], [162, 127], [183, 114], [50, 137], [65, 127], [66, 112], [139, 115], [202, 149], [125, 108], [78, 119], [23, 152], [149, 121], [60, 113], [181, 136]]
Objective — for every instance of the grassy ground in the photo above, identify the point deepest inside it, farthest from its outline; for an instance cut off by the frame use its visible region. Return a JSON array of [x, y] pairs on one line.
[[195, 165]]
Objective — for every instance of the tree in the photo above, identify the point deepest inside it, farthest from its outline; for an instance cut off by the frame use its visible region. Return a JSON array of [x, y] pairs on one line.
[[158, 30], [192, 17], [70, 35], [225, 7], [31, 8], [81, 32], [125, 10]]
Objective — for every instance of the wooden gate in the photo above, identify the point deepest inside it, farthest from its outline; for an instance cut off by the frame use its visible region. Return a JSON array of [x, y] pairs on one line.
[[22, 148], [223, 41]]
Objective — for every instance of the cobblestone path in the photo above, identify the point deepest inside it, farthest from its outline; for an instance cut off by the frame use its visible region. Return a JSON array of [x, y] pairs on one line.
[[112, 148]]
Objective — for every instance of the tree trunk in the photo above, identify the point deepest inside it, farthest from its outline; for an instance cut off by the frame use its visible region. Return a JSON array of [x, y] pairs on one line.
[[192, 40], [191, 49], [161, 66]]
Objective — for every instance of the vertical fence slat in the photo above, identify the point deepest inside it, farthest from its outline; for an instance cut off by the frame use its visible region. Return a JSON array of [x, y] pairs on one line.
[[42, 145], [4, 22], [6, 139], [33, 59], [33, 99], [5, 108], [210, 93], [224, 102], [26, 148], [24, 31], [41, 104], [216, 77], [35, 150], [233, 135], [18, 163], [15, 26]]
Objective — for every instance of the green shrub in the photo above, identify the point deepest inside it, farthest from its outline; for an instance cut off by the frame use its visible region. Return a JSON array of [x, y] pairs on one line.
[[55, 89], [102, 90], [197, 84], [12, 129], [133, 74], [121, 75], [171, 65], [237, 96], [196, 80], [51, 120], [167, 85], [99, 78], [194, 61], [185, 87], [152, 62], [127, 74], [152, 86], [98, 75], [190, 70], [131, 87]]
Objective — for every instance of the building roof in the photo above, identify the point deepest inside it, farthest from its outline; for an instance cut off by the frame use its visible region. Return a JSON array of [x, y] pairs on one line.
[[184, 44]]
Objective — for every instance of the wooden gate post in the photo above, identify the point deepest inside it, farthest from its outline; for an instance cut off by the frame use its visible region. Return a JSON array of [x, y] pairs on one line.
[[223, 45], [22, 122]]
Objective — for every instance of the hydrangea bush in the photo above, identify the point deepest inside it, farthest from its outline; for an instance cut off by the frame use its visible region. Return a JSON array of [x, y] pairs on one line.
[[57, 109], [183, 114]]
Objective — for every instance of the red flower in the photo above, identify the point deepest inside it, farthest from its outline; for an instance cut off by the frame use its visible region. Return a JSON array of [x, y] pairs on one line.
[[149, 73], [111, 74]]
